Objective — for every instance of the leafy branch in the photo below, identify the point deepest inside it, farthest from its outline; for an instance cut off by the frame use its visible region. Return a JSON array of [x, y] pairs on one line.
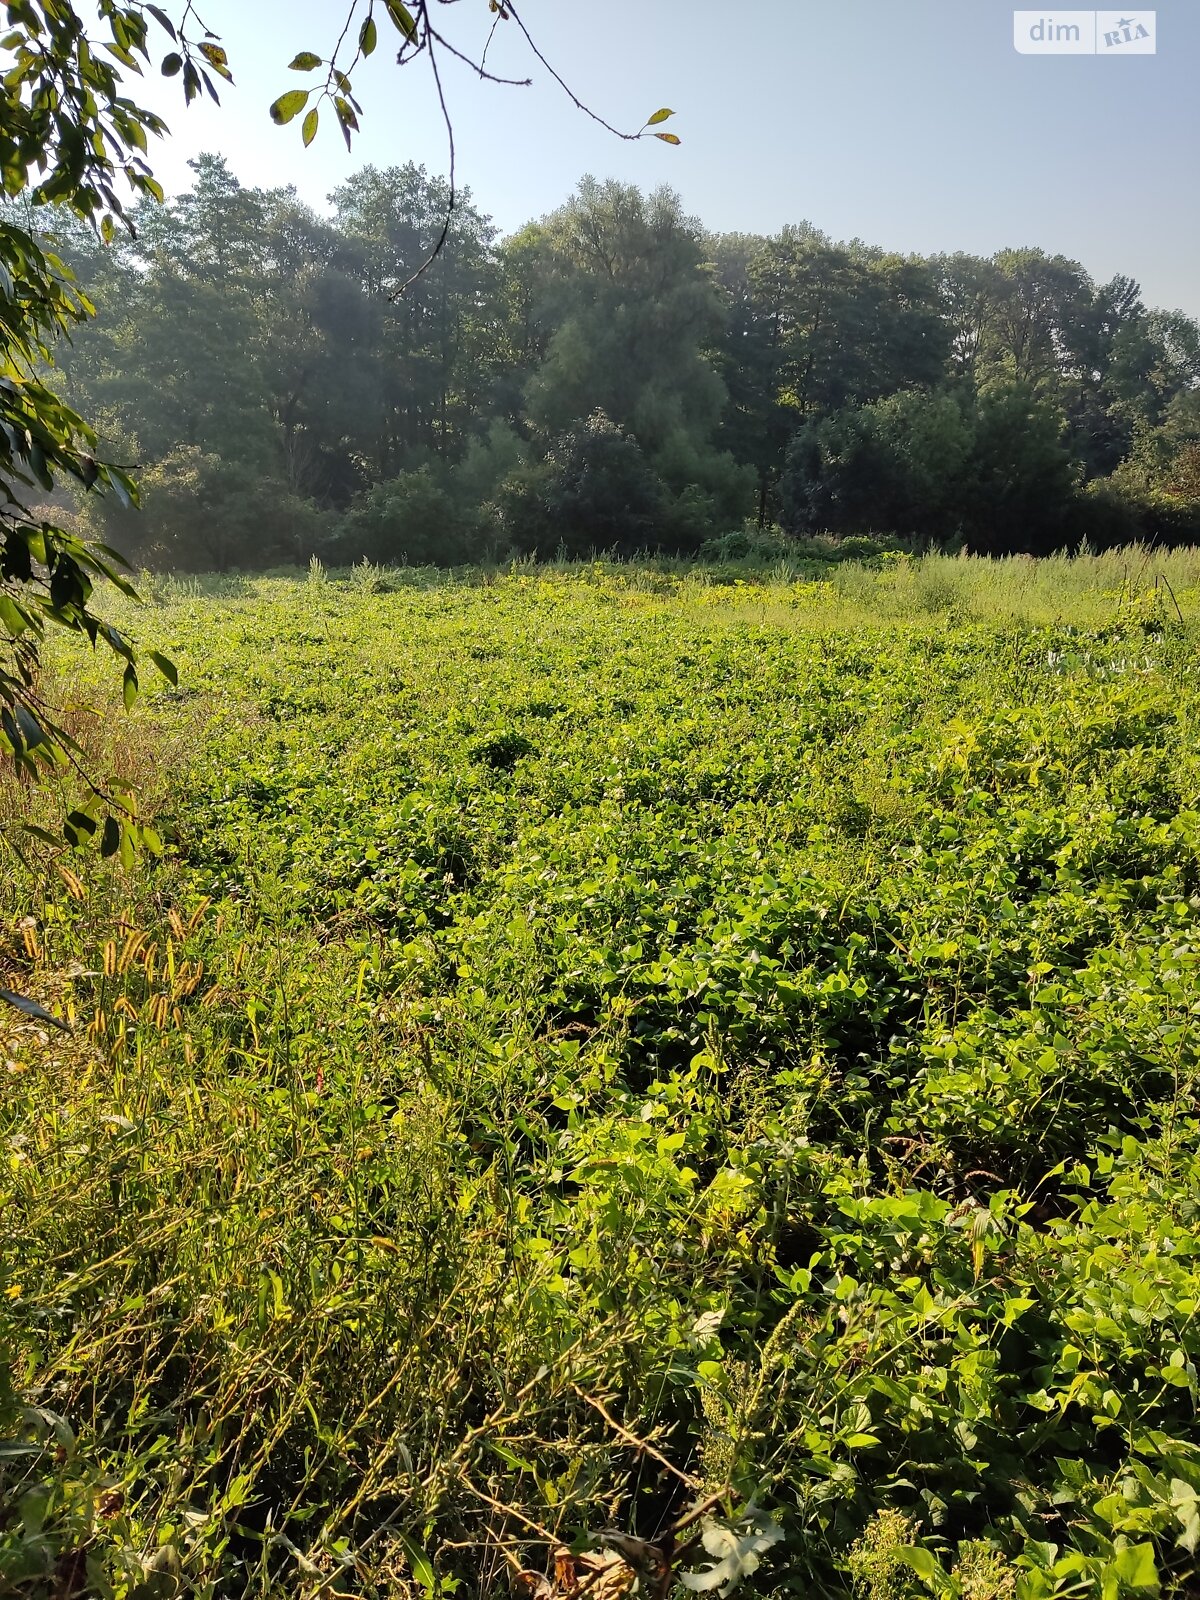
[[419, 37]]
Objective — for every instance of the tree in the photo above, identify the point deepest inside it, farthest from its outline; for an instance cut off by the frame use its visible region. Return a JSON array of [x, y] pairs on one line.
[[819, 326], [61, 114], [411, 520], [433, 351], [595, 492], [898, 466], [991, 469], [629, 316]]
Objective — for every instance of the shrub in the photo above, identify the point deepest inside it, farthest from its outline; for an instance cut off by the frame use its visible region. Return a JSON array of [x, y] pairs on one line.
[[201, 513], [751, 543], [595, 491], [409, 520], [991, 468]]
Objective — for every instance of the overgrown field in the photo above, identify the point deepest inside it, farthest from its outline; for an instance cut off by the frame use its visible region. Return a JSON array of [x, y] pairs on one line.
[[601, 1041]]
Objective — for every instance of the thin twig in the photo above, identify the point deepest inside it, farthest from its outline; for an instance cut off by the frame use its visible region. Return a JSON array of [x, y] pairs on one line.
[[640, 1445], [507, 1511], [1171, 592], [430, 36], [700, 1509], [496, 20], [563, 85], [478, 66]]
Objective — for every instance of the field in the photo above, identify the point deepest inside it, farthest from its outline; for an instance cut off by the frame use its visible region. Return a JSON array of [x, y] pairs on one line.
[[604, 1044]]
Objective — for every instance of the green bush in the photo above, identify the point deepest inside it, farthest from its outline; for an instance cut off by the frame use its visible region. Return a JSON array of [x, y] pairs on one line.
[[411, 520], [594, 492], [765, 546], [201, 513], [991, 470]]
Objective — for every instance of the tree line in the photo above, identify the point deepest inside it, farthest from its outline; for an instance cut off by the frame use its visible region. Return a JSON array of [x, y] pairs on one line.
[[612, 377]]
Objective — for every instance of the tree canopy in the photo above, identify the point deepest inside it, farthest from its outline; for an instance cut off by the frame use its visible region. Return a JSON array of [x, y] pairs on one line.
[[609, 377]]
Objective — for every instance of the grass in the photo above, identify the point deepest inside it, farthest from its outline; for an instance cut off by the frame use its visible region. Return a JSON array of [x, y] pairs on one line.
[[610, 1041]]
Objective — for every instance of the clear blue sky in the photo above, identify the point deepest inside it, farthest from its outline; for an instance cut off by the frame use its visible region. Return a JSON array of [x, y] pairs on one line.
[[913, 124]]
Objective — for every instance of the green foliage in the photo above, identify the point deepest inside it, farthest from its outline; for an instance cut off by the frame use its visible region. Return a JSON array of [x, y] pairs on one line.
[[411, 520], [991, 469], [201, 513], [628, 309], [770, 546], [766, 1009], [67, 135], [1010, 401], [593, 492]]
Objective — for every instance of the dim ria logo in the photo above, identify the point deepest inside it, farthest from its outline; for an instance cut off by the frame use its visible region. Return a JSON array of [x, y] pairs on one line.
[[1085, 33]]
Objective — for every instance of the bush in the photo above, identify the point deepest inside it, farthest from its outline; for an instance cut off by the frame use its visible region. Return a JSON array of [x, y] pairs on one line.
[[201, 513], [1154, 496], [1020, 492], [751, 543], [410, 520], [595, 491], [992, 469]]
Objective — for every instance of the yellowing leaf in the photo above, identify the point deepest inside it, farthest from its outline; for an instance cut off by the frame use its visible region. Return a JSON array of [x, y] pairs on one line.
[[402, 17], [289, 105], [216, 58], [659, 116], [669, 138]]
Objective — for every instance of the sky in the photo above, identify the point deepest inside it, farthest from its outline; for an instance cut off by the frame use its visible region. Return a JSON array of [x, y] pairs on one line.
[[912, 124]]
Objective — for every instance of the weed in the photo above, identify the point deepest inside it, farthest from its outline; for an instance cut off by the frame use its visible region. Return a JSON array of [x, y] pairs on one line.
[[606, 1043]]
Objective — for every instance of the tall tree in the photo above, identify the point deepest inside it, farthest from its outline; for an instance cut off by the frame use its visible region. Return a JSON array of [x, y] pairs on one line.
[[633, 314], [434, 356]]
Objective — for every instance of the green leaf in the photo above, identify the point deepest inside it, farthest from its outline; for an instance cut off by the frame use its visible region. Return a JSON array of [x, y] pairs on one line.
[[110, 841], [659, 116], [511, 1457], [129, 687], [122, 487], [420, 1566], [308, 128], [921, 1561], [162, 19], [31, 729], [80, 823], [42, 834], [11, 616], [368, 36], [288, 106], [346, 117], [1134, 1566], [738, 1552], [171, 64], [402, 17], [306, 61], [166, 666]]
